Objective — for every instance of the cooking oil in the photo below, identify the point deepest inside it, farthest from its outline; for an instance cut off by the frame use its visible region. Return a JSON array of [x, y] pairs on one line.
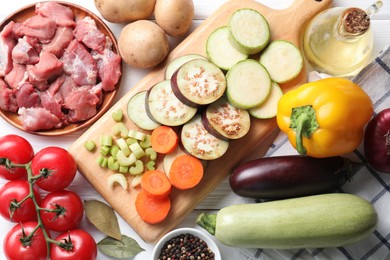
[[339, 40]]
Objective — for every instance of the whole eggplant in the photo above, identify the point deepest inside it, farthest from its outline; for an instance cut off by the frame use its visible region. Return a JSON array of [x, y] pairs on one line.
[[283, 177]]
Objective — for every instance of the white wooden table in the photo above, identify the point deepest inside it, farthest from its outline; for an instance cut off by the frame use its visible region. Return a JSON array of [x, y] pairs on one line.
[[222, 196]]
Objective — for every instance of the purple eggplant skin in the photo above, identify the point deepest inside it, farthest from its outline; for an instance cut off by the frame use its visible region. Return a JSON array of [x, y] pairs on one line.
[[290, 176]]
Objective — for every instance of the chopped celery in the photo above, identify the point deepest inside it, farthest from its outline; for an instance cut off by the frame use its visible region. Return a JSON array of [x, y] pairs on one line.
[[123, 146], [106, 140], [137, 150], [124, 160], [112, 164], [146, 142], [117, 178], [117, 115], [114, 150], [151, 153], [123, 169], [90, 145], [136, 181], [102, 161], [104, 150], [138, 168], [151, 165], [130, 141], [136, 135], [120, 129]]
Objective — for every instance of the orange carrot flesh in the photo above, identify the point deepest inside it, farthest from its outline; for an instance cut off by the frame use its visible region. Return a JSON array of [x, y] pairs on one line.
[[150, 209], [156, 184], [186, 172], [164, 139]]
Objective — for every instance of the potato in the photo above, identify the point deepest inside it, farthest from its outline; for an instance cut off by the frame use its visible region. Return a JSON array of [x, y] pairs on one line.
[[123, 11], [143, 44], [174, 16]]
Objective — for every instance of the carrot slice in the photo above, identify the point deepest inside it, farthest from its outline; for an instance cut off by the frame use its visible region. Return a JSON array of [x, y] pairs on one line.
[[164, 139], [156, 184], [150, 209], [186, 172]]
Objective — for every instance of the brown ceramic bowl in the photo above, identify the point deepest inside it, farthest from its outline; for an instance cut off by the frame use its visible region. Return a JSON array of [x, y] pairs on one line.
[[79, 12]]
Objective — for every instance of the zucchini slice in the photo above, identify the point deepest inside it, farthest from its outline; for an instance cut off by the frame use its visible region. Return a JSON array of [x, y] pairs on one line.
[[178, 62], [283, 60], [250, 30], [248, 84], [269, 108], [197, 141], [226, 121], [221, 51], [198, 82], [164, 107], [136, 111]]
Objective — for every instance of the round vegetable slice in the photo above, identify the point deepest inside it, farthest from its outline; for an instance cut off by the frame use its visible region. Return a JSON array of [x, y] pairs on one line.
[[283, 60], [248, 84], [164, 139], [197, 141], [226, 121], [156, 184], [178, 62], [198, 82], [164, 107], [268, 109], [136, 111], [221, 50], [186, 172], [250, 30], [150, 209]]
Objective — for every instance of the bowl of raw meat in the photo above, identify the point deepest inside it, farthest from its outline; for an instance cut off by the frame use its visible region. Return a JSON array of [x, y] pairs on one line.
[[60, 68]]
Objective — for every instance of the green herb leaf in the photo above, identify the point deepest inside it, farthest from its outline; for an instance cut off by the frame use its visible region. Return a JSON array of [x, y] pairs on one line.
[[125, 248], [103, 218]]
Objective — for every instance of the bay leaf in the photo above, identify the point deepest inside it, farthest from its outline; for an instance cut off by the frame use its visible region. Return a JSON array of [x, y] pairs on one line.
[[127, 247], [103, 217]]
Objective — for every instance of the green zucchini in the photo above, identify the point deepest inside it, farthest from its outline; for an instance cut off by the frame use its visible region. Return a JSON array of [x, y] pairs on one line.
[[320, 221]]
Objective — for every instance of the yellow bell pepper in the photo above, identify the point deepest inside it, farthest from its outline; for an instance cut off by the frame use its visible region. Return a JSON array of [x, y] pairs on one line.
[[326, 117]]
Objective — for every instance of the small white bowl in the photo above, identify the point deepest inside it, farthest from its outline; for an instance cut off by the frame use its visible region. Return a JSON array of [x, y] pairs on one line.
[[176, 232]]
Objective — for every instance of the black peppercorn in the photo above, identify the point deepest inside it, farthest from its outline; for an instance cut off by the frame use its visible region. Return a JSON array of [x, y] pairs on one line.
[[186, 246]]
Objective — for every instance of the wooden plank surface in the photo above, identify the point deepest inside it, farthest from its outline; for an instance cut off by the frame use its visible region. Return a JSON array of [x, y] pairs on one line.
[[285, 24]]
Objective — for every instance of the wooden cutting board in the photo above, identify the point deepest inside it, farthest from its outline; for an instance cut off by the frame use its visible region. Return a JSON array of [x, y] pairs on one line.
[[285, 24]]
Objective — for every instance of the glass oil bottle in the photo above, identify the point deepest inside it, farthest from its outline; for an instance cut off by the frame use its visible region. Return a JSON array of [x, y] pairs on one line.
[[339, 40]]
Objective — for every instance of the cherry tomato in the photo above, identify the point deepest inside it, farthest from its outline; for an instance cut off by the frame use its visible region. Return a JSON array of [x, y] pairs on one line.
[[15, 248], [81, 245], [69, 210], [19, 151], [57, 166], [13, 192]]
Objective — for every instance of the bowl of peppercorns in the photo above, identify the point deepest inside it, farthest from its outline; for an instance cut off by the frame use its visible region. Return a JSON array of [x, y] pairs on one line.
[[186, 243]]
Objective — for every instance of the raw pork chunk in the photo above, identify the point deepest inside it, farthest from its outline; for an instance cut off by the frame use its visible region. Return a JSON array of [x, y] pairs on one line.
[[27, 96], [17, 76], [24, 53], [38, 118], [7, 43], [79, 64], [60, 41], [87, 32], [47, 68], [62, 15], [7, 98], [108, 64], [38, 26]]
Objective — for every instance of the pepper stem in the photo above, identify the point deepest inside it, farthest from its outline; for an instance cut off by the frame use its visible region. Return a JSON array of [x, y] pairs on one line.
[[304, 122]]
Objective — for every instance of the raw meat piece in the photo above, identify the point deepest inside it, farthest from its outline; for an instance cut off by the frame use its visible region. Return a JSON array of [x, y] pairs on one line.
[[47, 68], [38, 118], [82, 105], [62, 15], [109, 70], [35, 43], [54, 87], [51, 104], [17, 76], [27, 96], [7, 43], [61, 40], [87, 32], [24, 53], [7, 98], [79, 64], [38, 26]]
